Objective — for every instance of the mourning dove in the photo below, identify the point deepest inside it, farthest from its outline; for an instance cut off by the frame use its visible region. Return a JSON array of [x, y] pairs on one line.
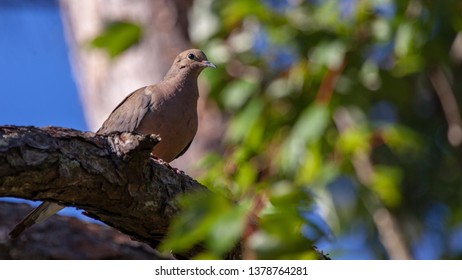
[[168, 109]]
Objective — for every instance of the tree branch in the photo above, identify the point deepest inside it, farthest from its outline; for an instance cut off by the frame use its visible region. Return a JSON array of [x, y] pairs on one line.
[[112, 178], [69, 238]]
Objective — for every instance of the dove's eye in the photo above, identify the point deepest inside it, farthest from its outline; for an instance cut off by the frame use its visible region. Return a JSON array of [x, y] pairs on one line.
[[191, 56]]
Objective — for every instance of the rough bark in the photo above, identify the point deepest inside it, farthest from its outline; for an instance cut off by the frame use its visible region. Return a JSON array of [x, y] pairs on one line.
[[112, 178]]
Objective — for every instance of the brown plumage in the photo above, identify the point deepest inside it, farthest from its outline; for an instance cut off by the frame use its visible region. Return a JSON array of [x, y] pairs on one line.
[[168, 109]]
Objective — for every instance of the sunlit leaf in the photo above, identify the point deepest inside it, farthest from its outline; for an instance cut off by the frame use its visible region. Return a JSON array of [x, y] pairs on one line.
[[404, 39], [402, 139], [352, 140], [311, 167], [329, 54], [246, 175], [386, 184]]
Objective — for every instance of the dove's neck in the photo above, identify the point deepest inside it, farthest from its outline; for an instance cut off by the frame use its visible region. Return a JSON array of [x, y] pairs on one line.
[[183, 83]]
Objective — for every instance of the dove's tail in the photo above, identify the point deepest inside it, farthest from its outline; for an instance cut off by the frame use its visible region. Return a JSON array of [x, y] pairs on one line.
[[38, 215]]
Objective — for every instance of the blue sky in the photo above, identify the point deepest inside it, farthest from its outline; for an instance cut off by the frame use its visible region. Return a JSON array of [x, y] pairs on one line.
[[36, 83]]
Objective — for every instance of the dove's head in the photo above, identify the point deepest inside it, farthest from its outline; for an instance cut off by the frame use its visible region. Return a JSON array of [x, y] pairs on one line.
[[191, 61]]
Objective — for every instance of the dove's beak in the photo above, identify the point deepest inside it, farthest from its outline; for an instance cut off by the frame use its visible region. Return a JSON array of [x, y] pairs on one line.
[[207, 63]]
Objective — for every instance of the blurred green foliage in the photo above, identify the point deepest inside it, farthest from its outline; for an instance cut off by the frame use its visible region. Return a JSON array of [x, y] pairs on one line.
[[333, 116], [117, 37]]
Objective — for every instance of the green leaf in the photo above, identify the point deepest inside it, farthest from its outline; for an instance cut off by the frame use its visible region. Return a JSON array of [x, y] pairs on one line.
[[308, 129], [287, 247], [404, 39], [236, 93], [286, 198], [117, 37], [199, 213], [354, 139], [280, 235], [385, 183], [208, 217], [228, 228], [246, 175], [402, 140], [243, 122], [329, 54], [310, 169]]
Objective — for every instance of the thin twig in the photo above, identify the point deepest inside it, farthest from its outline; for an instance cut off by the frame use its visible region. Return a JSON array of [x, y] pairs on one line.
[[449, 105]]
